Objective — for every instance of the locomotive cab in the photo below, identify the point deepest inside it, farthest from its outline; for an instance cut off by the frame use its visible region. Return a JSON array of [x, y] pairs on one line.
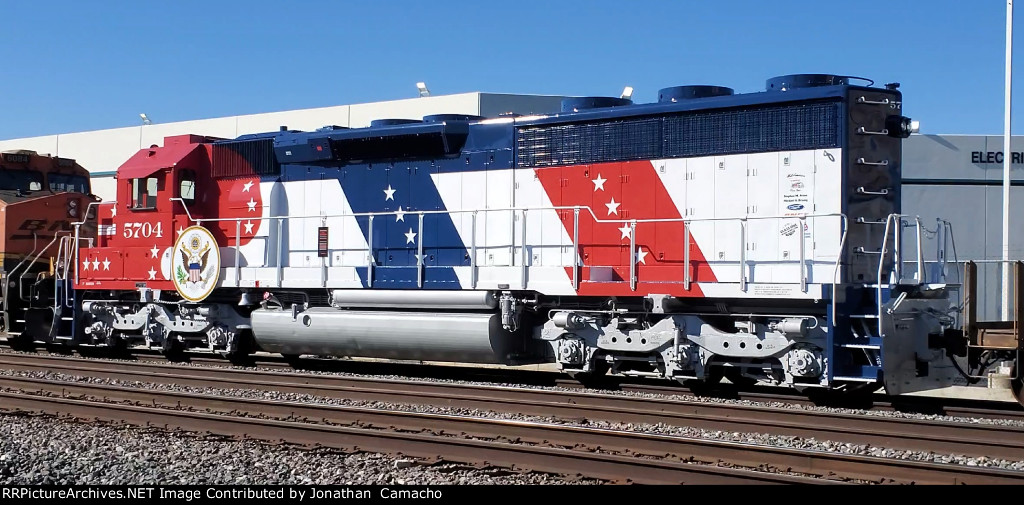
[[42, 197], [160, 244]]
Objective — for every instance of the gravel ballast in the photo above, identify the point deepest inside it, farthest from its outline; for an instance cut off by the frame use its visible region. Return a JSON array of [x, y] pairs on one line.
[[48, 450], [661, 429]]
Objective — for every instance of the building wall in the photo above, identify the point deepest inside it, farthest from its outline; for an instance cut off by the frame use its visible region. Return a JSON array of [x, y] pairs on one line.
[[958, 178]]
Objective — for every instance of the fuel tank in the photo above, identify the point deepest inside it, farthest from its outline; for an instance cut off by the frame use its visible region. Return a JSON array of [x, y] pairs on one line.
[[427, 336]]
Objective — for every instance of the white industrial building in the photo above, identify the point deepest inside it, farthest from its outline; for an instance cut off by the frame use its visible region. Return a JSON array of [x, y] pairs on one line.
[[102, 151]]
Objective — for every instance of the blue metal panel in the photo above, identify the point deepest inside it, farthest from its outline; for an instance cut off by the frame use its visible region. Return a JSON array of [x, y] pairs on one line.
[[576, 104], [411, 187], [717, 102], [679, 93], [488, 137]]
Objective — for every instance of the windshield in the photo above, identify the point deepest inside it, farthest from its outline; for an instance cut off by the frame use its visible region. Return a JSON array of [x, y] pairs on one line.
[[68, 182], [20, 180]]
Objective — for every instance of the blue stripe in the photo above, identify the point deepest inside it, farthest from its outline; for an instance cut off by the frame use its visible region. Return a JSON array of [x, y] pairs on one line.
[[414, 190]]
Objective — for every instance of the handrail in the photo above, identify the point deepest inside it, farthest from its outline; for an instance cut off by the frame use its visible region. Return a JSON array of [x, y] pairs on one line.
[[631, 223], [56, 236], [881, 263], [35, 245]]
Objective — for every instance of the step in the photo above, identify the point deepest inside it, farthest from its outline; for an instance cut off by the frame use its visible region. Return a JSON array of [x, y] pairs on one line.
[[854, 379]]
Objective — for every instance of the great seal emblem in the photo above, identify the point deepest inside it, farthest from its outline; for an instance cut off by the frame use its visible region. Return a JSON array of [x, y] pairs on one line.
[[195, 263]]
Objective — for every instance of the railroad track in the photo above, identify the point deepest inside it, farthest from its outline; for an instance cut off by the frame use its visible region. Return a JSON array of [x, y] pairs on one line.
[[954, 407], [912, 434], [601, 454], [598, 453]]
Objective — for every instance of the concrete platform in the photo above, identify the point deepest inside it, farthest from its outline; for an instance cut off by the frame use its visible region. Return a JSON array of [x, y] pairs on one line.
[[970, 393]]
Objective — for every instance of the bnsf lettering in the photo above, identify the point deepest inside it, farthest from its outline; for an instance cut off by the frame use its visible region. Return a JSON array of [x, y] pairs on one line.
[[32, 225], [143, 230], [39, 228]]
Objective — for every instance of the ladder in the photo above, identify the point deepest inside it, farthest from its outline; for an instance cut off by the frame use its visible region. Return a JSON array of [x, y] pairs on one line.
[[860, 319], [62, 328]]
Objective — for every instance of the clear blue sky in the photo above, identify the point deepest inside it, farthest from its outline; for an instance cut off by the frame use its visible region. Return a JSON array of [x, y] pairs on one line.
[[79, 65]]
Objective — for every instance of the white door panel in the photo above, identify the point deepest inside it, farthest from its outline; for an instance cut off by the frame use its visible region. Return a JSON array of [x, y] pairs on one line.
[[700, 205], [498, 232], [731, 203], [828, 199], [762, 203]]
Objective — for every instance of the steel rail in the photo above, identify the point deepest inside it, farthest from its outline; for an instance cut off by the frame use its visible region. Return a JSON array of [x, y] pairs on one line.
[[638, 447], [955, 407], [970, 439], [591, 463]]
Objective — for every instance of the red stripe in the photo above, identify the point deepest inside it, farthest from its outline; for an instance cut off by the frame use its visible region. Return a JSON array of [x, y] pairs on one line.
[[639, 193]]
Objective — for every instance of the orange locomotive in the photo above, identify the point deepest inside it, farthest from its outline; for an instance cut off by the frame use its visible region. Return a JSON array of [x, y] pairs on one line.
[[41, 198]]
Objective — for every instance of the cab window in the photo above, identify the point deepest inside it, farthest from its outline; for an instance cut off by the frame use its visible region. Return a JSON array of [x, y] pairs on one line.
[[187, 187], [68, 182], [144, 192], [21, 180]]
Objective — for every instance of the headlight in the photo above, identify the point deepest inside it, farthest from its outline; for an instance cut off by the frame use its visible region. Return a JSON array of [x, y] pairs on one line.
[[72, 208], [901, 126]]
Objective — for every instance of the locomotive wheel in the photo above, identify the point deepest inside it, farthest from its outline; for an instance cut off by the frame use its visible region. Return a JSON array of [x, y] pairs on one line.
[[241, 355], [713, 375], [736, 377], [1017, 384], [116, 346], [172, 349], [22, 342], [594, 377]]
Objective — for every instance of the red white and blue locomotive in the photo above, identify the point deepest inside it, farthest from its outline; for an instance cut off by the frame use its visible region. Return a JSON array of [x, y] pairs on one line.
[[753, 236]]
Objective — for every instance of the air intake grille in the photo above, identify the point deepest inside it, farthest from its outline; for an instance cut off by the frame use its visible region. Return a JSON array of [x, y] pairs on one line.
[[791, 127], [244, 158], [632, 139], [749, 131]]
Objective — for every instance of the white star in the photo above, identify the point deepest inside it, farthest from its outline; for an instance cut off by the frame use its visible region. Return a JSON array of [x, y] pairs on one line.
[[246, 186], [410, 237], [419, 259], [152, 274], [106, 263], [399, 214], [180, 229], [96, 264], [113, 210], [389, 194], [641, 256], [248, 226], [85, 264], [599, 183], [155, 250], [625, 231], [252, 204], [613, 208]]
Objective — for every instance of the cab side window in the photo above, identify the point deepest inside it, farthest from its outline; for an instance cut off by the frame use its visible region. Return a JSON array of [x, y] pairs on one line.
[[187, 187], [144, 193]]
